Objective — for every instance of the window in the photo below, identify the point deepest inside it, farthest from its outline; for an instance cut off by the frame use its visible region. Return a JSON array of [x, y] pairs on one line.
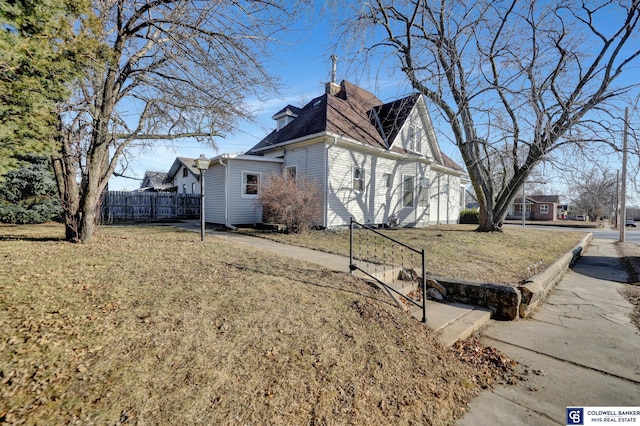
[[358, 179], [423, 192], [407, 191], [291, 172], [418, 139], [412, 138], [193, 187], [386, 180], [185, 172], [415, 138], [250, 184], [184, 188], [544, 208]]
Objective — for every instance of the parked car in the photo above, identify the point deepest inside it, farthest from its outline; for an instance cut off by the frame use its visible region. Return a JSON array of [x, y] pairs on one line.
[[581, 217], [630, 222]]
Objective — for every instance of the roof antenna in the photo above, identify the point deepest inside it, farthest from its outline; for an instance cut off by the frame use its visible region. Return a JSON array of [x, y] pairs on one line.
[[334, 61]]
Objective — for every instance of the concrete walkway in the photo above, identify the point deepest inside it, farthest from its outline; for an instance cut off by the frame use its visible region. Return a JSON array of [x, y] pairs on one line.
[[580, 349], [452, 321]]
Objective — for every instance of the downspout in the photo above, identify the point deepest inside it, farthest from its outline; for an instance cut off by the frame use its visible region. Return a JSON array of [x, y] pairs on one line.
[[226, 196]]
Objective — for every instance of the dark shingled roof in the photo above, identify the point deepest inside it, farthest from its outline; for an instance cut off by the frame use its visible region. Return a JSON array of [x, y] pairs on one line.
[[353, 113], [545, 198], [155, 180], [290, 108]]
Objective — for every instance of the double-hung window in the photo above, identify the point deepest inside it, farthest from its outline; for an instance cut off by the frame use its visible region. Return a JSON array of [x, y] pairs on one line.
[[407, 191], [358, 179], [250, 184]]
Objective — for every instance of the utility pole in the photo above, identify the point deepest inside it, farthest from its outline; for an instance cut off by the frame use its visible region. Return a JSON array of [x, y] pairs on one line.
[[623, 201]]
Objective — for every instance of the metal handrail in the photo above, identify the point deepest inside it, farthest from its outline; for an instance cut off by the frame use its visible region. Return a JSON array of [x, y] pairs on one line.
[[353, 266]]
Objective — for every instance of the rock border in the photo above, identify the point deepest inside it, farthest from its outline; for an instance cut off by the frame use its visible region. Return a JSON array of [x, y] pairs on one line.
[[536, 288], [508, 302]]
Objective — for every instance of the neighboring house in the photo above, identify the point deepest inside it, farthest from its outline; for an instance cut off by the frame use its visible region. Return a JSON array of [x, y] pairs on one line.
[[379, 163], [184, 176], [155, 182], [538, 207]]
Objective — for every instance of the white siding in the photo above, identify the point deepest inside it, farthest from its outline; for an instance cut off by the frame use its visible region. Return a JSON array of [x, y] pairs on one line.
[[214, 181], [309, 162], [190, 182], [446, 195], [242, 209], [376, 204]]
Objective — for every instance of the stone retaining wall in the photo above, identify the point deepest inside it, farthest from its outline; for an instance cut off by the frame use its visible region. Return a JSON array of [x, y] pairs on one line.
[[510, 302]]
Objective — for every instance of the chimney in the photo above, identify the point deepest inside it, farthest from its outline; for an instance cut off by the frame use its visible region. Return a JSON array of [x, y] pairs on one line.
[[332, 88]]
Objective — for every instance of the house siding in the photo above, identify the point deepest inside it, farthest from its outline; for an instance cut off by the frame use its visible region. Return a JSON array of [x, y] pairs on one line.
[[375, 204], [241, 209], [214, 181], [445, 195], [190, 182], [310, 164]]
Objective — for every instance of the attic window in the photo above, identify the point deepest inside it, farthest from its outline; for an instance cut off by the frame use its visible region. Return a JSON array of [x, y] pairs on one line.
[[415, 138]]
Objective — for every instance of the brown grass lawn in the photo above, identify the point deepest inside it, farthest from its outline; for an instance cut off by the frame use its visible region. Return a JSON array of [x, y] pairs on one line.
[[455, 251], [146, 325]]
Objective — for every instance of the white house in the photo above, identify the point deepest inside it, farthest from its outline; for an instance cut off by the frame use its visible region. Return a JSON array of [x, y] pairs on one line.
[[184, 176], [378, 163]]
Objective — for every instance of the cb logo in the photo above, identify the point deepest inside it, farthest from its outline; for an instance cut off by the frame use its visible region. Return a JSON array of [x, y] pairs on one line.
[[574, 416]]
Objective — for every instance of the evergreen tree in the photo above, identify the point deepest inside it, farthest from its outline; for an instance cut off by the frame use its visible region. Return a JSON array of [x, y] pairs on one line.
[[29, 194], [40, 54]]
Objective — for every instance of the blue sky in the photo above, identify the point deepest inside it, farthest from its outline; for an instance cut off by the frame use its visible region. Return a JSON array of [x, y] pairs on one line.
[[303, 66]]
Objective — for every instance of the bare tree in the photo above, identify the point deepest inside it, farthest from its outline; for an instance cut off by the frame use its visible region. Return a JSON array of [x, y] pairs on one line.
[[593, 192], [172, 69], [515, 80]]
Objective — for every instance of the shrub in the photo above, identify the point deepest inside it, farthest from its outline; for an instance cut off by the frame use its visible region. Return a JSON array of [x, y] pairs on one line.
[[470, 216], [293, 202]]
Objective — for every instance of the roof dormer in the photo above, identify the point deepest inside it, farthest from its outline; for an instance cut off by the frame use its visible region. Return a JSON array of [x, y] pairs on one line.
[[285, 116]]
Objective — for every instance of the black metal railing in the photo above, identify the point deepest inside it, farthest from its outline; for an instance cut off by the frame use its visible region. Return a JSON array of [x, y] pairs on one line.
[[376, 255]]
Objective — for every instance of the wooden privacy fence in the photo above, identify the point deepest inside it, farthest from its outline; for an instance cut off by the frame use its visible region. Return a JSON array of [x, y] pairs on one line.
[[149, 206]]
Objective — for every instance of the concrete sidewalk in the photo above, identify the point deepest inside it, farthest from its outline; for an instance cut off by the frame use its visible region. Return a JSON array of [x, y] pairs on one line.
[[452, 321], [580, 349]]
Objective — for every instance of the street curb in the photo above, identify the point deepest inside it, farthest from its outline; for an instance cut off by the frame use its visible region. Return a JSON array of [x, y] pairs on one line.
[[536, 288]]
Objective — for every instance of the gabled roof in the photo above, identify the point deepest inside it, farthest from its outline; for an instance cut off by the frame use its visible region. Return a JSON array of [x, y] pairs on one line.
[[156, 181], [546, 198], [187, 162], [352, 113], [392, 116], [289, 110], [537, 199]]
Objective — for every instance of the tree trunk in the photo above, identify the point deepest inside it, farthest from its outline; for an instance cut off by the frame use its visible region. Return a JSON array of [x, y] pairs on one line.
[[488, 222], [80, 200]]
